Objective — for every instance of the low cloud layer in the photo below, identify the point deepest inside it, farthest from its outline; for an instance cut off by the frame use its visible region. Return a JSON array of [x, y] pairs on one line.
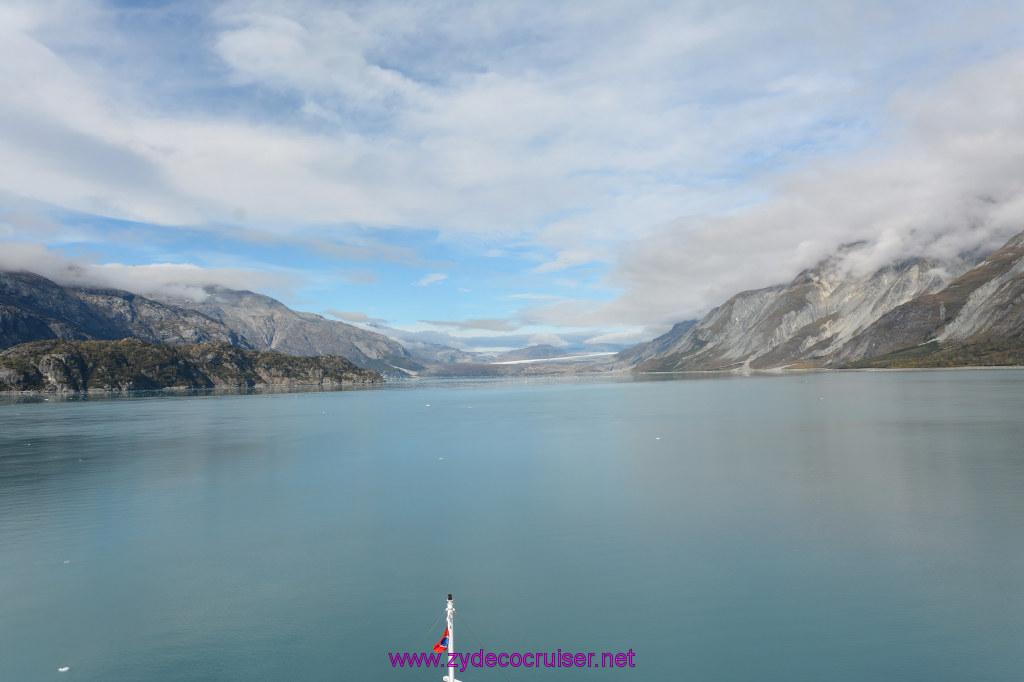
[[494, 325], [362, 318], [950, 185], [156, 279]]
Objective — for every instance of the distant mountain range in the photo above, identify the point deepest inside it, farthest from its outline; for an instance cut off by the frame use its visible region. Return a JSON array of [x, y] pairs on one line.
[[34, 308], [827, 318], [912, 313]]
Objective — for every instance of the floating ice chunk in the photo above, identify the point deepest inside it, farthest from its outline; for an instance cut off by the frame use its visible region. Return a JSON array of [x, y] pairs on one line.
[[64, 669], [67, 561]]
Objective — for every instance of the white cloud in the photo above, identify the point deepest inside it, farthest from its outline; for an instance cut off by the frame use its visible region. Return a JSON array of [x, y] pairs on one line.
[[354, 317], [480, 117], [630, 338], [432, 278], [547, 340], [950, 185], [170, 279], [698, 148], [489, 324]]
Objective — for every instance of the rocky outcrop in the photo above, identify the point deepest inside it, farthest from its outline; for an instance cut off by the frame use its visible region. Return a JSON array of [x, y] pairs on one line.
[[130, 364]]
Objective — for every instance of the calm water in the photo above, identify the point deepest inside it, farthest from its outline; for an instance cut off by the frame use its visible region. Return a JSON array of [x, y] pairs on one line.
[[825, 527]]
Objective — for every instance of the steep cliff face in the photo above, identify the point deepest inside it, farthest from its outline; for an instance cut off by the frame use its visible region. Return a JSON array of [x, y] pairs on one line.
[[267, 324], [130, 364], [803, 323], [985, 303], [33, 308]]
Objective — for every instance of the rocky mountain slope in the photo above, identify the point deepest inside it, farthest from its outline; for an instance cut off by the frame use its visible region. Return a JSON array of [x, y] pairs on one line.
[[267, 324], [130, 364], [801, 323], [662, 345], [917, 311], [34, 308], [982, 307]]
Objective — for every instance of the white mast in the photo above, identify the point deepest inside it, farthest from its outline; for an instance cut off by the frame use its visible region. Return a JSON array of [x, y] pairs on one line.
[[450, 677]]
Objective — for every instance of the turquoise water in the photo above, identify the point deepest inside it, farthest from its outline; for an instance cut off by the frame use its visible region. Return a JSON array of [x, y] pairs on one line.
[[841, 527]]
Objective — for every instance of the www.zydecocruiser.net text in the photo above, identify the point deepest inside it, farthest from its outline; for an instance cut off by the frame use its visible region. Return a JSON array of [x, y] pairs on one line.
[[531, 659]]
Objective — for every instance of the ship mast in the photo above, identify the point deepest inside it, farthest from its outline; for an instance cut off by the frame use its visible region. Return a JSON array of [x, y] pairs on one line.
[[450, 610]]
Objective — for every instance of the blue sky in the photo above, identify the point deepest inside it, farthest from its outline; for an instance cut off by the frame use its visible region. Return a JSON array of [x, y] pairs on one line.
[[545, 172]]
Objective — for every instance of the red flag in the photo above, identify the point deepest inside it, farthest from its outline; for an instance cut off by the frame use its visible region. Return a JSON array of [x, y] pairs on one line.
[[443, 644]]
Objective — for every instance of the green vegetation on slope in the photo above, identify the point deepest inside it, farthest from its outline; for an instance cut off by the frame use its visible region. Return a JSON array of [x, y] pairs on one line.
[[130, 364], [997, 352]]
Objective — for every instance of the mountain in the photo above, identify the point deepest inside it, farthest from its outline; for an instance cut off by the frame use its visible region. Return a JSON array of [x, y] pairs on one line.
[[34, 308], [267, 324], [433, 353], [662, 345], [424, 347], [800, 323], [979, 315], [913, 313], [130, 364]]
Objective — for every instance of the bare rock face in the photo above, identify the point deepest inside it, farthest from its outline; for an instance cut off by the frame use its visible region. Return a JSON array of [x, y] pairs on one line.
[[986, 302], [267, 324], [33, 308], [821, 318]]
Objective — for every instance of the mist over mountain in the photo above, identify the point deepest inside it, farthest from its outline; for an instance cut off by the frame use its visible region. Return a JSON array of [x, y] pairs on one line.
[[33, 308], [829, 315]]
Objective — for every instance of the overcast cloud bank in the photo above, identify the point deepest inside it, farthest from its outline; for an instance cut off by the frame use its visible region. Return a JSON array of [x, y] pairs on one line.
[[676, 152]]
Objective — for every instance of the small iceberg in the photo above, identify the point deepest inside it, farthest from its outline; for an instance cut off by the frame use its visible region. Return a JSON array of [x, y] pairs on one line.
[[64, 669]]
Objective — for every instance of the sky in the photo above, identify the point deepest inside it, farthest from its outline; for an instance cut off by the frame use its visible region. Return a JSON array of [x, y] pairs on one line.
[[497, 173]]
